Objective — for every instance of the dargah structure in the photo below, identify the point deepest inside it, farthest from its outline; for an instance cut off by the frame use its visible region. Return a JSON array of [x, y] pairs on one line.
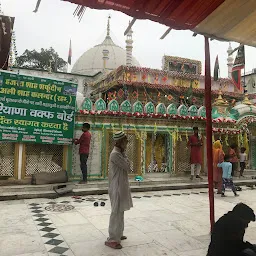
[[156, 108]]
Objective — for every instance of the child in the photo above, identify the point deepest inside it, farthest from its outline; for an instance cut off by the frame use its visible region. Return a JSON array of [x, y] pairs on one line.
[[226, 176], [243, 159]]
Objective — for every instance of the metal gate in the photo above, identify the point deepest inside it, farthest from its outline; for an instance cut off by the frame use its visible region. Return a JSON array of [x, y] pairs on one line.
[[43, 158], [182, 155], [133, 151], [7, 151]]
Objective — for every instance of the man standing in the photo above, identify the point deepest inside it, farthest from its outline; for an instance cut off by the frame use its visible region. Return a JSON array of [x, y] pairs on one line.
[[195, 143], [84, 149], [119, 190]]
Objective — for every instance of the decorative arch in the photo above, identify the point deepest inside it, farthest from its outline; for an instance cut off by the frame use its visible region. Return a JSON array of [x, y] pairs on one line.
[[100, 105], [126, 106], [172, 109], [113, 105], [87, 104], [137, 107], [161, 109], [182, 110], [149, 108], [202, 111], [193, 110]]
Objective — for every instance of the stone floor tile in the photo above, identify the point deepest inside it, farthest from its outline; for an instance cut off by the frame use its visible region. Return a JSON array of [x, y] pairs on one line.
[[176, 241], [80, 233], [96, 248], [200, 252], [152, 249], [100, 221], [146, 226], [191, 228], [20, 243], [67, 218]]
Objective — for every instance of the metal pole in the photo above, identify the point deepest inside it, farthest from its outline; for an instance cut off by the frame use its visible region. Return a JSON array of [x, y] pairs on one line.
[[208, 106]]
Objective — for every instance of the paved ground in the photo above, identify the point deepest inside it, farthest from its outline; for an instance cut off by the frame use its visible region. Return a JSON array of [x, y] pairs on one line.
[[161, 223]]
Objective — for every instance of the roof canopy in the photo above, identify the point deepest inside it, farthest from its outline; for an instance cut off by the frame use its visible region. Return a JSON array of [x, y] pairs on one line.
[[231, 20]]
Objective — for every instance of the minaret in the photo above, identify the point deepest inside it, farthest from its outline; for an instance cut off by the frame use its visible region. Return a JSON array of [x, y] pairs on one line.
[[108, 27], [105, 53], [230, 60], [129, 47]]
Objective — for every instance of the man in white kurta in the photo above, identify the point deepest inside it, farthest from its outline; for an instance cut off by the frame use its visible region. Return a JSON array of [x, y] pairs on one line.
[[119, 190]]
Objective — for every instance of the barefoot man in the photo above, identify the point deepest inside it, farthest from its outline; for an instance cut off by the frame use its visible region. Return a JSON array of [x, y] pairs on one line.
[[119, 190]]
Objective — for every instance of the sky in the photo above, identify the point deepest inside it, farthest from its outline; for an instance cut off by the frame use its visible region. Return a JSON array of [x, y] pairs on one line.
[[54, 25]]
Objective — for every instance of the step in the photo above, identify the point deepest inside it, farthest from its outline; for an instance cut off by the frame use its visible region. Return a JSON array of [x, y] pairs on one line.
[[88, 190], [27, 188], [27, 195]]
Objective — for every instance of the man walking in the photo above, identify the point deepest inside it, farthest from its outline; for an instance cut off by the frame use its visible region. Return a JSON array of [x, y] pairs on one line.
[[84, 149], [195, 143], [119, 190]]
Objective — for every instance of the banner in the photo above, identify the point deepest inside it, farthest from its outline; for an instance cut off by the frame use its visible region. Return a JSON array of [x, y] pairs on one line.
[[38, 110]]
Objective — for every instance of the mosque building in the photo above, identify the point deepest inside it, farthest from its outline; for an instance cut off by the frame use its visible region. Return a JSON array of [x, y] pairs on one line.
[[156, 108]]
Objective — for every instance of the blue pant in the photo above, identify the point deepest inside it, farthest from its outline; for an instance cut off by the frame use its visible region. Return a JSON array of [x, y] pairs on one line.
[[228, 183]]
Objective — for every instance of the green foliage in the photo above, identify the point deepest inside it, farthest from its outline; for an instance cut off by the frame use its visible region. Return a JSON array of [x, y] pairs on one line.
[[43, 60]]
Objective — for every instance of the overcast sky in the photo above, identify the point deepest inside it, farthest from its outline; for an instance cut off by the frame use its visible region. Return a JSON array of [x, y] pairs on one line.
[[54, 25]]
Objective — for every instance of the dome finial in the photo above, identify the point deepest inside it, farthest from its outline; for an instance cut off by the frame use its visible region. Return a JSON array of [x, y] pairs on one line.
[[108, 26]]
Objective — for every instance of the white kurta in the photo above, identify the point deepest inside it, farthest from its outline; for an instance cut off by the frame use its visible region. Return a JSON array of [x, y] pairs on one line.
[[119, 188]]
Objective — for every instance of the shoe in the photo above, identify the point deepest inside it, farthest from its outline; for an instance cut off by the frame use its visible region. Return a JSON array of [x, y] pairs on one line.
[[198, 177], [113, 245], [223, 195], [236, 195], [191, 177], [82, 182], [123, 237]]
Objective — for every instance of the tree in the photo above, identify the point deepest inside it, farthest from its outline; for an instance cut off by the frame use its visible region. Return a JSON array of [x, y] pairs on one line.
[[41, 60]]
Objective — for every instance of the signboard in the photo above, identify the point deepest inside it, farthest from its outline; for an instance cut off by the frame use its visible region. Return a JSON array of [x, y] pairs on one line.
[[38, 110]]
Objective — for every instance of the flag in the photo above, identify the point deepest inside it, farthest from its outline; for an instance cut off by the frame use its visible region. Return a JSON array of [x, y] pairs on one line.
[[238, 66], [216, 69], [69, 53]]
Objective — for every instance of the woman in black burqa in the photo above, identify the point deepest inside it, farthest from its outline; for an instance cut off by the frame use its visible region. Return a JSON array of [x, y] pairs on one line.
[[228, 233]]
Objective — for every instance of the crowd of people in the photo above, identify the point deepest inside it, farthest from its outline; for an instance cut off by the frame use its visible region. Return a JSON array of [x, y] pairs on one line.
[[225, 165], [227, 237]]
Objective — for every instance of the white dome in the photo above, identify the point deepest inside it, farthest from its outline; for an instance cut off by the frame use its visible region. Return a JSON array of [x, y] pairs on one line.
[[91, 61]]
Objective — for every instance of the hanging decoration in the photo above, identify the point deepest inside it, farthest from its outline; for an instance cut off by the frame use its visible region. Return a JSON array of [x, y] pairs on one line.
[[164, 79], [111, 96], [155, 129], [135, 94], [226, 141], [156, 79], [187, 138], [144, 77], [13, 51], [169, 97], [246, 143], [120, 93]]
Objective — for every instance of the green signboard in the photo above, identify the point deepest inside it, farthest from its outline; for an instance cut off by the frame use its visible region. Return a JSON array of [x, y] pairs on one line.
[[38, 110]]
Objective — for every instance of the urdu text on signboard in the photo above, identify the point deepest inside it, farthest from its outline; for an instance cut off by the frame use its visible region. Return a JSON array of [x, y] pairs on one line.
[[38, 110]]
